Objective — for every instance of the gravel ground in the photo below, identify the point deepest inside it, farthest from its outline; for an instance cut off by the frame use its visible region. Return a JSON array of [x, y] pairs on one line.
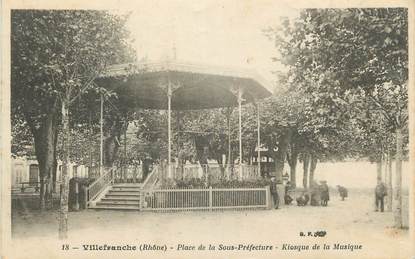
[[353, 222]]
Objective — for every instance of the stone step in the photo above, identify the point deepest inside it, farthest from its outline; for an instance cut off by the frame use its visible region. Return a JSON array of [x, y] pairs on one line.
[[121, 192], [127, 184], [126, 189], [128, 198], [122, 185], [118, 203], [107, 207], [122, 196]]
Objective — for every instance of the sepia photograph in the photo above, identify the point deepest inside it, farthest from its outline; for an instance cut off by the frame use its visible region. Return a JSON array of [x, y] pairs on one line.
[[209, 129]]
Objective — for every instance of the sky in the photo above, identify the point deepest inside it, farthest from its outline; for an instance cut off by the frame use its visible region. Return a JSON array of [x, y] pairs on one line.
[[225, 33]]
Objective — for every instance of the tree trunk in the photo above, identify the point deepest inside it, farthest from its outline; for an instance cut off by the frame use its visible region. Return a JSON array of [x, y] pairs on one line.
[[45, 148], [204, 157], [63, 210], [306, 164], [398, 185], [49, 190], [110, 150], [378, 172], [112, 134], [283, 143], [146, 168], [221, 165], [389, 181], [201, 145], [51, 185], [279, 164], [293, 171], [379, 169], [313, 165], [292, 162], [55, 161]]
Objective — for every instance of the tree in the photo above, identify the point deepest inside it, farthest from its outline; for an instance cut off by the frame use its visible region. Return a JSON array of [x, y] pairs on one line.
[[347, 59], [22, 139], [293, 125], [56, 57]]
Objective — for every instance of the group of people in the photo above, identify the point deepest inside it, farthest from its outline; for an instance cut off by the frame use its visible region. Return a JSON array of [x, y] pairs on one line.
[[319, 194], [274, 193]]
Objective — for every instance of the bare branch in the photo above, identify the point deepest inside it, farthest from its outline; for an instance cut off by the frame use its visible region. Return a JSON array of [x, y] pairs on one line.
[[385, 112]]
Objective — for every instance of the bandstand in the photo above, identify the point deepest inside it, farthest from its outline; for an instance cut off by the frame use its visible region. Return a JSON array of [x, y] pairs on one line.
[[178, 86], [184, 86]]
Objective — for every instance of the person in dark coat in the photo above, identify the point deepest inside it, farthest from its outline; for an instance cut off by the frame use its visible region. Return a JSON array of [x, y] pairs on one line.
[[342, 191], [274, 192], [325, 194], [287, 197], [303, 199], [380, 193]]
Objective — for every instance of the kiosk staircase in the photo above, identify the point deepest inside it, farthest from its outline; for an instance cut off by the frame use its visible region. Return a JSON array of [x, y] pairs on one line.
[[120, 196], [104, 194]]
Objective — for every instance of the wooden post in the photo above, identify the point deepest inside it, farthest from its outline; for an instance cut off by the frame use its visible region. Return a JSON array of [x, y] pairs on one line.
[[228, 118], [101, 125], [141, 201], [210, 198], [169, 94], [125, 153], [240, 130], [91, 146], [268, 197], [259, 141]]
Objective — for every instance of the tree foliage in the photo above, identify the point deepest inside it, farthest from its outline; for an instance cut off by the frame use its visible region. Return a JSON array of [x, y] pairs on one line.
[[56, 57], [351, 65]]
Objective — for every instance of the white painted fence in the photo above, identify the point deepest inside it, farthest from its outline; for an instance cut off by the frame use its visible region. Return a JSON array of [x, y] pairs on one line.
[[206, 199]]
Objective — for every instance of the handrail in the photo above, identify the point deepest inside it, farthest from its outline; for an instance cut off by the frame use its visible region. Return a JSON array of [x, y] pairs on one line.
[[99, 185], [152, 178], [99, 179]]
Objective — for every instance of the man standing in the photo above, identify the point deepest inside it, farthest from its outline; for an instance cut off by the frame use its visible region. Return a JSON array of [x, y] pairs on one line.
[[274, 192], [380, 193], [325, 193]]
